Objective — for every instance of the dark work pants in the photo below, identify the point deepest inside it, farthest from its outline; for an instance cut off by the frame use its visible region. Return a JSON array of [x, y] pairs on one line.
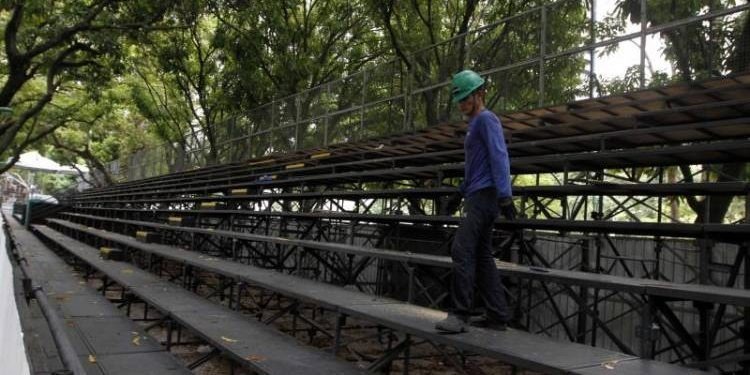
[[473, 261]]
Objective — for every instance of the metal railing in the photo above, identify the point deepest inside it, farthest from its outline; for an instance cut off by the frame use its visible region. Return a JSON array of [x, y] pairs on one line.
[[540, 56], [32, 290]]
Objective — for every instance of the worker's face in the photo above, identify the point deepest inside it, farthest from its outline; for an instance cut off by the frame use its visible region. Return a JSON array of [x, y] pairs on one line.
[[470, 105], [466, 105]]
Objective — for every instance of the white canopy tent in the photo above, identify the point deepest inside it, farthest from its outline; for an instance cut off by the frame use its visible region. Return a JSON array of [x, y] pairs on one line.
[[33, 161]]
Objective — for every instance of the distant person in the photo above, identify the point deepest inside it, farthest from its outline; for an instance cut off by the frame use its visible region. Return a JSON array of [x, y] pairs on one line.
[[487, 192]]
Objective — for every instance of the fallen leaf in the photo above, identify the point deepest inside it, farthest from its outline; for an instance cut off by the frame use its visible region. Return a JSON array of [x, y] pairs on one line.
[[227, 339], [610, 365], [92, 358], [255, 358], [137, 341]]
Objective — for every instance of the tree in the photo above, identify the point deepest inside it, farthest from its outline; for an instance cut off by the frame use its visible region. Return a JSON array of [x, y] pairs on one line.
[[183, 84], [275, 49], [50, 46], [103, 129], [445, 26], [700, 50]]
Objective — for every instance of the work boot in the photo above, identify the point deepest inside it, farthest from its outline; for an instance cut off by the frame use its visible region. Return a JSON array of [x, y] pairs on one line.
[[486, 322], [452, 324]]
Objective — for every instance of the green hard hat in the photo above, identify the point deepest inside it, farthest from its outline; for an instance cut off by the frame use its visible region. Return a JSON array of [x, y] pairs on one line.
[[465, 83]]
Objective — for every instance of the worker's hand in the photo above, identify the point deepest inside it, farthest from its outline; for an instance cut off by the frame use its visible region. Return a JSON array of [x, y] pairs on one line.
[[507, 209], [449, 204]]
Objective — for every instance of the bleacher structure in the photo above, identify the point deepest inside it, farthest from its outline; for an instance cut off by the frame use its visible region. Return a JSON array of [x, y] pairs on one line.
[[335, 259]]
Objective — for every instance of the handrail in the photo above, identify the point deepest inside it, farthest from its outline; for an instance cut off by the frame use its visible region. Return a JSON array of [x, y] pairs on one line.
[[64, 346]]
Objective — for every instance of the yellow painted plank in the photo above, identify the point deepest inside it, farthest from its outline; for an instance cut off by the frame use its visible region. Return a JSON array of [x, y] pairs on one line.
[[295, 166]]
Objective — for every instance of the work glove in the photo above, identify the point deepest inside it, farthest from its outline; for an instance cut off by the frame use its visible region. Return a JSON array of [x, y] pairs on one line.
[[507, 209]]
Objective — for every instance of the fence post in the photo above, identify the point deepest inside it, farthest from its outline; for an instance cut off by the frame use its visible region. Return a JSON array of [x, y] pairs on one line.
[[362, 106], [297, 104], [642, 68], [274, 103], [327, 118], [27, 216], [592, 54], [542, 52], [407, 99]]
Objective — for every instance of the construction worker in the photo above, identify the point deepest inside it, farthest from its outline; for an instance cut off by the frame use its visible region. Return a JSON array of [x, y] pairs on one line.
[[487, 192]]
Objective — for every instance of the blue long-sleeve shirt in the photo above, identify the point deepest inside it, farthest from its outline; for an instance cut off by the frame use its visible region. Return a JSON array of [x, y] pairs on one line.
[[487, 161]]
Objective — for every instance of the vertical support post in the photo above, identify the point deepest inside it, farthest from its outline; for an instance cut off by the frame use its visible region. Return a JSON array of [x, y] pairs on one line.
[[234, 244], [564, 198], [410, 294], [128, 304], [598, 215], [295, 315], [350, 277], [595, 297], [647, 330], [222, 289], [745, 329], [644, 22], [27, 215], [704, 260], [583, 296], [660, 202], [297, 104], [271, 127], [327, 118], [542, 52], [362, 105], [407, 354], [536, 209], [704, 315], [704, 308], [592, 55], [250, 153], [184, 275], [170, 330], [657, 255], [340, 321]]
